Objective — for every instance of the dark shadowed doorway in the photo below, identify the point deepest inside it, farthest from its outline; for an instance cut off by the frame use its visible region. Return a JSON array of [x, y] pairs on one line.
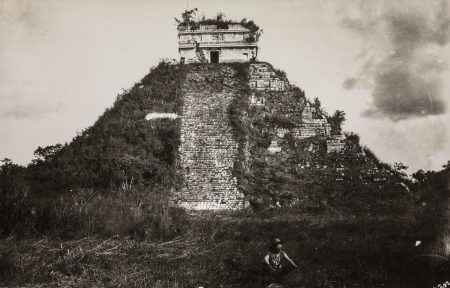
[[214, 56]]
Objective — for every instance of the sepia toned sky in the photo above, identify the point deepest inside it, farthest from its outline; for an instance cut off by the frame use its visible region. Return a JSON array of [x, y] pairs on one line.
[[385, 63]]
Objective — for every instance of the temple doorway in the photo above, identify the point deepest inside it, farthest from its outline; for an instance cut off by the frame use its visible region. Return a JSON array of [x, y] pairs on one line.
[[214, 56]]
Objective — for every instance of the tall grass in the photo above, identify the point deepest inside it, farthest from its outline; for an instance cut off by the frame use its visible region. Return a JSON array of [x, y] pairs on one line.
[[86, 212]]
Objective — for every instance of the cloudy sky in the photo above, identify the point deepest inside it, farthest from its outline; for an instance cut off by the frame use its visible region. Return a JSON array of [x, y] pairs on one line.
[[383, 62]]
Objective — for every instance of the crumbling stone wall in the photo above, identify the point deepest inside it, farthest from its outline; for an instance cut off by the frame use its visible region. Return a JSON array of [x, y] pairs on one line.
[[311, 128], [335, 143], [262, 77], [270, 88], [208, 149], [311, 124]]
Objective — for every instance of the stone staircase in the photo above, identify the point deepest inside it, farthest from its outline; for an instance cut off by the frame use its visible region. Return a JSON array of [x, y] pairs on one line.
[[208, 151]]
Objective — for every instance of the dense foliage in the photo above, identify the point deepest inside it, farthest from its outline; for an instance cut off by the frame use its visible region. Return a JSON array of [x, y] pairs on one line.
[[303, 175], [122, 151], [122, 147], [432, 190], [188, 20]]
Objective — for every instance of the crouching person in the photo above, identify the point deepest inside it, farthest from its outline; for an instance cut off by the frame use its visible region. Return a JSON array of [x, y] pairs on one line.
[[276, 259]]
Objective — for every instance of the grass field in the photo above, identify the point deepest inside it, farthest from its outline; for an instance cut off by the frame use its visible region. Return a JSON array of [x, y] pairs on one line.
[[221, 250]]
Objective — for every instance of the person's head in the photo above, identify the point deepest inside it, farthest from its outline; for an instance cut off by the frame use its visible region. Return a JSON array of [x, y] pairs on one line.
[[276, 245]]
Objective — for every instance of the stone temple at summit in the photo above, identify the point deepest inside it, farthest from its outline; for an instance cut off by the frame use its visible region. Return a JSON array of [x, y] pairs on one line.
[[213, 44]]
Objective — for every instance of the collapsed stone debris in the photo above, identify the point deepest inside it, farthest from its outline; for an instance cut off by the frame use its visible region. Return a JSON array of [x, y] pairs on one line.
[[209, 151], [263, 78]]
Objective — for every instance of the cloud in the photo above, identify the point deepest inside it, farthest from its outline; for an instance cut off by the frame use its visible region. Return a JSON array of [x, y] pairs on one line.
[[26, 13], [403, 64], [350, 83], [420, 143]]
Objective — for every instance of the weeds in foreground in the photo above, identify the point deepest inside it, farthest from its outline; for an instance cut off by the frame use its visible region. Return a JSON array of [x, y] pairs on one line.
[[85, 212]]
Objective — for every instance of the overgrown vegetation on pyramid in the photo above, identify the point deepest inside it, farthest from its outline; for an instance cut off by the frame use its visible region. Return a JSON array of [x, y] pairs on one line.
[[222, 136], [277, 156]]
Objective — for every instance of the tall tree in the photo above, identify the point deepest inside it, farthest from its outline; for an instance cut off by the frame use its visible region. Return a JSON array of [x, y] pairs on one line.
[[336, 121]]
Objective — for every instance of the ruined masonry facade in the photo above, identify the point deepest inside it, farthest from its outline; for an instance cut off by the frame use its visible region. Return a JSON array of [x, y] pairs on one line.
[[262, 77], [311, 125], [336, 143], [209, 151]]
